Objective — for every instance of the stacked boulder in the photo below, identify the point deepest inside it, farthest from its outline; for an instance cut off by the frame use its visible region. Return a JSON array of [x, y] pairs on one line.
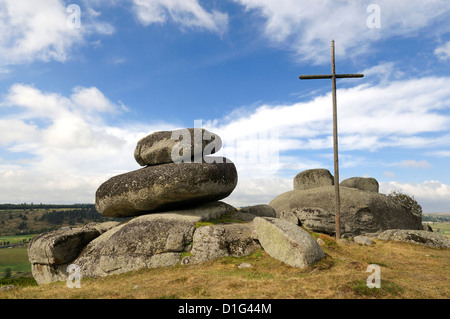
[[176, 175], [363, 210], [174, 215]]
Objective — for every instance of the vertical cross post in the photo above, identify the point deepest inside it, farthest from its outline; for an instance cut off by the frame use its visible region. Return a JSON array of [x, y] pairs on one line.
[[333, 76]]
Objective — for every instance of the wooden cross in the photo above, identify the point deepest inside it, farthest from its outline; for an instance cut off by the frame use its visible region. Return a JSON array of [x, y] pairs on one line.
[[333, 76]]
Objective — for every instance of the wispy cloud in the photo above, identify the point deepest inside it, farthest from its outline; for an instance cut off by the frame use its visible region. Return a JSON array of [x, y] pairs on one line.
[[186, 13], [299, 25], [432, 195], [59, 137], [398, 114], [61, 147], [443, 51], [39, 30], [413, 164], [440, 153]]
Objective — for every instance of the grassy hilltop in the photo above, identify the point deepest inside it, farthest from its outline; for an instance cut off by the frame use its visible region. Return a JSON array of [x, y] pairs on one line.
[[407, 271]]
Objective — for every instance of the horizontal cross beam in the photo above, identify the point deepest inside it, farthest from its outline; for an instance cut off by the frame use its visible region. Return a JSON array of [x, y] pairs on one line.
[[330, 76]]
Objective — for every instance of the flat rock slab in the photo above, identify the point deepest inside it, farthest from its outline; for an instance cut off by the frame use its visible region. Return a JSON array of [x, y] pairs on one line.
[[163, 187], [165, 146], [421, 237], [287, 242]]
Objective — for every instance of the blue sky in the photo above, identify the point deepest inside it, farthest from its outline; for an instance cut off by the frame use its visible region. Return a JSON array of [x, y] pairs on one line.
[[76, 98]]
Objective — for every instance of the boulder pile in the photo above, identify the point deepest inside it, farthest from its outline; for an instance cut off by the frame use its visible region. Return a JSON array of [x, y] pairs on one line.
[[363, 210], [174, 215], [174, 176]]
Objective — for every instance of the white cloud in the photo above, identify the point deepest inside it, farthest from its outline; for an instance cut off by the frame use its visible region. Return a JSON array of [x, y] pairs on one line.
[[187, 13], [56, 138], [441, 153], [383, 72], [257, 190], [300, 26], [414, 164], [443, 51], [370, 117], [402, 114], [433, 196], [39, 30], [91, 99], [63, 148]]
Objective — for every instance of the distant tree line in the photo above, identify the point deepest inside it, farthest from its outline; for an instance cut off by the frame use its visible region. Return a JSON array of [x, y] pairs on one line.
[[436, 219], [44, 206], [74, 216], [7, 242], [19, 219]]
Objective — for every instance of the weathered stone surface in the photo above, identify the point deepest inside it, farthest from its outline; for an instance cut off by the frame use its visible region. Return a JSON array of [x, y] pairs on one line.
[[361, 212], [287, 242], [289, 216], [63, 245], [368, 184], [215, 241], [162, 187], [44, 274], [157, 148], [153, 240], [261, 210], [240, 216], [313, 178], [317, 219], [363, 240], [101, 227], [421, 237]]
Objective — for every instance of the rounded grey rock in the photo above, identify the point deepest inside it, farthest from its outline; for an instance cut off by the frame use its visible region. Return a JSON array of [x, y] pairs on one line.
[[368, 184], [167, 186], [161, 147], [287, 242], [313, 178], [261, 210]]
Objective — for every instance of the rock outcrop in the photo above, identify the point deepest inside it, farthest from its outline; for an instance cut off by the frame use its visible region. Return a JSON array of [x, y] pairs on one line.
[[178, 175], [421, 237], [147, 241], [175, 216], [161, 240], [50, 253], [362, 211]]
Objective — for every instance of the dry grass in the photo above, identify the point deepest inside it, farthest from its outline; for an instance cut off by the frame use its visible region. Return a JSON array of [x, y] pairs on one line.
[[407, 271]]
